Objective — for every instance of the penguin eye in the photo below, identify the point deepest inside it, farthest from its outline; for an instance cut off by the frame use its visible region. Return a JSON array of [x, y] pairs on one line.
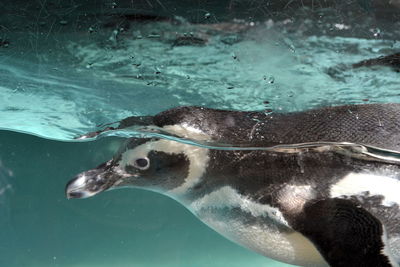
[[142, 163]]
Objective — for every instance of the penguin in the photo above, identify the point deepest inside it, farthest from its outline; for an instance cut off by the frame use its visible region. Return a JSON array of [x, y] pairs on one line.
[[312, 188], [392, 61]]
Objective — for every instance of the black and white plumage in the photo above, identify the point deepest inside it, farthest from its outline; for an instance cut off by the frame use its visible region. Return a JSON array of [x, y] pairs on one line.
[[321, 194]]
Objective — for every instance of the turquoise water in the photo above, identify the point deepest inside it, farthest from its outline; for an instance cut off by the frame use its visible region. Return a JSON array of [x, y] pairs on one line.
[[64, 70]]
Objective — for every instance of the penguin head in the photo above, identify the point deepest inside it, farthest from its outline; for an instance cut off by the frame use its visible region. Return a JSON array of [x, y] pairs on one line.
[[160, 165]]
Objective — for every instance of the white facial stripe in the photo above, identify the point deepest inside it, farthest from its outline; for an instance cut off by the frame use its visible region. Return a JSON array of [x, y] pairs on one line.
[[197, 156], [360, 183], [227, 197], [293, 197], [198, 160]]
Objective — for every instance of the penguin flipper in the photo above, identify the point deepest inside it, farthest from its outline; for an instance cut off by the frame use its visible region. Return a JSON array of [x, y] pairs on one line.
[[122, 124], [344, 234]]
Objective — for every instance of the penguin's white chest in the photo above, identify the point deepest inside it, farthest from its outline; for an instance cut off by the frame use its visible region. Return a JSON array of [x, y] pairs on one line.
[[259, 227]]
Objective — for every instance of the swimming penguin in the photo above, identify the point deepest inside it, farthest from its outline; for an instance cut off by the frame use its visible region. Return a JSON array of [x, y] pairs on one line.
[[392, 61], [319, 187]]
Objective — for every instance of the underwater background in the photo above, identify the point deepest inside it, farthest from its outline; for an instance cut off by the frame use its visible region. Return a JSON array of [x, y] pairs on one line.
[[68, 66]]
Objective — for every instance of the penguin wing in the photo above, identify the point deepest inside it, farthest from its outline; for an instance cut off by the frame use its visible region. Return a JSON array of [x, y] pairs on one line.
[[344, 234]]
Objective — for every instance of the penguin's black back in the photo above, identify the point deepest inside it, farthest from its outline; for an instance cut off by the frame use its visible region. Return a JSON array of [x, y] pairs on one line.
[[371, 124]]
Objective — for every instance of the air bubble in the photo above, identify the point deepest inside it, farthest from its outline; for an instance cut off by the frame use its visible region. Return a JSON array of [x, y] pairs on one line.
[[376, 32], [269, 79]]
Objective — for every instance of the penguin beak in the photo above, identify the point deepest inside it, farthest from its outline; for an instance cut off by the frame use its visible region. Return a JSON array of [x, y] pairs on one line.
[[92, 182]]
